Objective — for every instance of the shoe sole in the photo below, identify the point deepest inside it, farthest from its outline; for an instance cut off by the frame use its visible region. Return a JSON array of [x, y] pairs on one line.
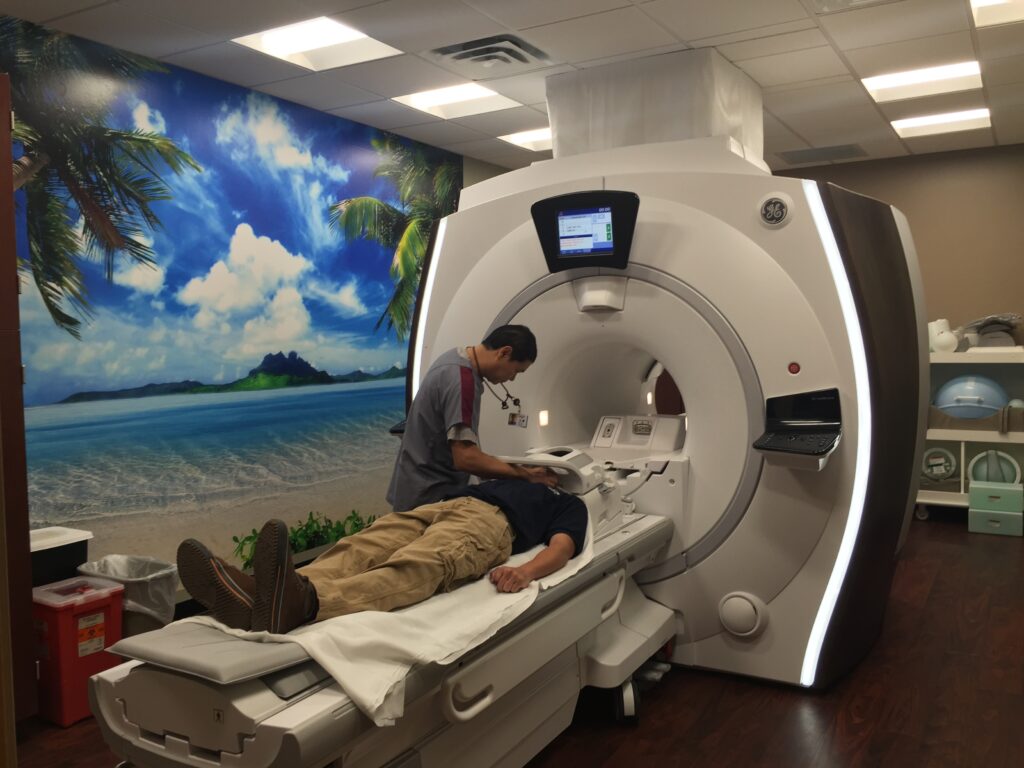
[[269, 562], [206, 580]]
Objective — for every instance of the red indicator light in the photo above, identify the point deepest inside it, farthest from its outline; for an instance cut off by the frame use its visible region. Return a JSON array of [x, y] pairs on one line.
[[794, 368]]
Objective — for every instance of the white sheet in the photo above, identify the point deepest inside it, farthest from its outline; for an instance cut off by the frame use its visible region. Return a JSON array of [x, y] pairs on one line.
[[370, 653]]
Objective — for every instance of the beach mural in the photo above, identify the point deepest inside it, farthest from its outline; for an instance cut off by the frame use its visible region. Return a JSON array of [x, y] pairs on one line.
[[217, 288]]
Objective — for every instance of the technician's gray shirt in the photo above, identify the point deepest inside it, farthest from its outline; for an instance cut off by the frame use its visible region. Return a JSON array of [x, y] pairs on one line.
[[447, 406]]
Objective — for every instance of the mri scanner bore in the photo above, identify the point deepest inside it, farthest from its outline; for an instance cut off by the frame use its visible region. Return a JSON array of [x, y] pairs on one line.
[[754, 553]]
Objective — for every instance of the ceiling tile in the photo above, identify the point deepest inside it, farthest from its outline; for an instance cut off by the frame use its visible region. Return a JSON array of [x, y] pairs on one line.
[[399, 76], [505, 121], [514, 163], [772, 30], [793, 67], [661, 49], [768, 46], [891, 146], [1005, 71], [319, 90], [526, 89], [327, 7], [1007, 103], [492, 147], [43, 10], [1006, 96], [385, 114], [601, 35], [1008, 124], [695, 19], [878, 149], [498, 152], [947, 142], [522, 14], [815, 83], [224, 19], [851, 125], [837, 95], [440, 133], [933, 105], [413, 25], [894, 22], [912, 54], [778, 137], [236, 64], [118, 25], [1005, 40]]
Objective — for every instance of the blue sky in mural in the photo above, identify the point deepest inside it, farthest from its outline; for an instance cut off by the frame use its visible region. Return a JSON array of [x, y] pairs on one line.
[[246, 261]]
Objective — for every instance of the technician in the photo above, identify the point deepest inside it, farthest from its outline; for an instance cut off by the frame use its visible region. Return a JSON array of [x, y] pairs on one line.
[[440, 448]]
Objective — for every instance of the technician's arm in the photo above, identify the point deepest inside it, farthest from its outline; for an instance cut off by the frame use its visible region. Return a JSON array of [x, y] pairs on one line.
[[468, 457], [548, 560]]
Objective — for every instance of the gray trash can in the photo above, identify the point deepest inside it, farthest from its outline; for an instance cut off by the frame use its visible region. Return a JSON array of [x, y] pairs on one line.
[[150, 586]]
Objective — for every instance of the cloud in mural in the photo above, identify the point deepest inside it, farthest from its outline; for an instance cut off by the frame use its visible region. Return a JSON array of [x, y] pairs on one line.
[[148, 119], [343, 299], [144, 278], [261, 130], [284, 325], [255, 268]]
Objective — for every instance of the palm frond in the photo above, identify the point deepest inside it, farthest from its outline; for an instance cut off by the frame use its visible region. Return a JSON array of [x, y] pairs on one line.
[[399, 309], [75, 165], [447, 183], [405, 264], [370, 218], [53, 248]]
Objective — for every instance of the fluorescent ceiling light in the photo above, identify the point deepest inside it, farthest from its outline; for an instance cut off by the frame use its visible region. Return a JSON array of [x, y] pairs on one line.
[[924, 82], [536, 140], [990, 12], [926, 125], [318, 44], [457, 101]]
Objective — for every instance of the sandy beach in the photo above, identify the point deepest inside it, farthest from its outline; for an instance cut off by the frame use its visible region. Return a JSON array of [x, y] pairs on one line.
[[158, 535]]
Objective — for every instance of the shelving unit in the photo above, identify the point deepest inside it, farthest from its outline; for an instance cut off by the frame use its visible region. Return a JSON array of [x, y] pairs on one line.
[[961, 364]]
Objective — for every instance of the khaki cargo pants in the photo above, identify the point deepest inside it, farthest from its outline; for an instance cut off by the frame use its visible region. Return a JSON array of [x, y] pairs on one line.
[[406, 557]]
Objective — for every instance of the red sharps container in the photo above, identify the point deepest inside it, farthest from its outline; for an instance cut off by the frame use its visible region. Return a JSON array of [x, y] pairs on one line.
[[75, 620]]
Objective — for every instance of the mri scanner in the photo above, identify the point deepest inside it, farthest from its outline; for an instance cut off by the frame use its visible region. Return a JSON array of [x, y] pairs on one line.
[[754, 532]]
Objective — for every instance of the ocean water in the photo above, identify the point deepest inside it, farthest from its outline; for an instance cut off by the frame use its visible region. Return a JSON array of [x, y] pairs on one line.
[[177, 452]]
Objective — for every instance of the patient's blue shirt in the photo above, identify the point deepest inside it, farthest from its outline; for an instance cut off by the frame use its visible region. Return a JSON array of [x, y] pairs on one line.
[[535, 512]]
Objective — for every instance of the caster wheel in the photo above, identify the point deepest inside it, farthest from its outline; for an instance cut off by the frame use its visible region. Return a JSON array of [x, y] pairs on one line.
[[627, 703], [921, 512]]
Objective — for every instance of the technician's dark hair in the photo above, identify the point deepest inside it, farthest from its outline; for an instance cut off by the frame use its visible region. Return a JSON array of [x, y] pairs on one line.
[[519, 337]]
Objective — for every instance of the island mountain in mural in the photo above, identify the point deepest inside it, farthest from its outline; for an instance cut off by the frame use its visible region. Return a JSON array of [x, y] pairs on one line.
[[276, 371]]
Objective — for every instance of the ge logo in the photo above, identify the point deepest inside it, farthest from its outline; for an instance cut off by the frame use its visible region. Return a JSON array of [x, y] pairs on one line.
[[774, 211]]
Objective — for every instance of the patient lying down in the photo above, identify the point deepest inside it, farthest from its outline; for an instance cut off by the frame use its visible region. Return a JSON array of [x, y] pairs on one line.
[[401, 559]]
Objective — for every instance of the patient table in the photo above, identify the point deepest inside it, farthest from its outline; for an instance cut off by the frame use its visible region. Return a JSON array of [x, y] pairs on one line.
[[194, 696]]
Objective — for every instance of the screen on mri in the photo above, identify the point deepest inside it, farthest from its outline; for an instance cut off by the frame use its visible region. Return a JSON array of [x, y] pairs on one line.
[[585, 232]]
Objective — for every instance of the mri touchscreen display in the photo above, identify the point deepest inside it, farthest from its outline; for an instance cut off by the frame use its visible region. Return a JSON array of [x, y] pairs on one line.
[[585, 232]]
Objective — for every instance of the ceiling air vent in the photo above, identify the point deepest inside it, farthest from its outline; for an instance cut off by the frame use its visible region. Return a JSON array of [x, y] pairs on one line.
[[496, 56], [822, 154]]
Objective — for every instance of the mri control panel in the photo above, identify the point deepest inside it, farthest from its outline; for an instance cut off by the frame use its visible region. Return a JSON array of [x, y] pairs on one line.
[[650, 432]]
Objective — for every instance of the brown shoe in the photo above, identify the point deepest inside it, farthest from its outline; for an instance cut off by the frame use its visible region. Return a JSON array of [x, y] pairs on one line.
[[283, 599], [219, 587]]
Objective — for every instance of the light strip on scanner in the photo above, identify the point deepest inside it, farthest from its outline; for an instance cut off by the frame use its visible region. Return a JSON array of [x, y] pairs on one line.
[[860, 473], [428, 288]]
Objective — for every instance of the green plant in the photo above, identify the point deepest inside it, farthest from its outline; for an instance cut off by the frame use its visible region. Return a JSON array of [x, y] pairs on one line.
[[315, 531]]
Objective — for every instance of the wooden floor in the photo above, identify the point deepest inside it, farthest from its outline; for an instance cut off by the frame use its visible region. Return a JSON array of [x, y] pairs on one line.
[[943, 687]]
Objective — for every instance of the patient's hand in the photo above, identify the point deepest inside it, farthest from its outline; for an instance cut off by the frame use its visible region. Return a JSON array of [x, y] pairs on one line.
[[509, 579], [541, 475]]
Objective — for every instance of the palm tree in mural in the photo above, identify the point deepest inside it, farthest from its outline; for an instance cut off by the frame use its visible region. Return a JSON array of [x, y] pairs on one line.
[[76, 172], [426, 192]]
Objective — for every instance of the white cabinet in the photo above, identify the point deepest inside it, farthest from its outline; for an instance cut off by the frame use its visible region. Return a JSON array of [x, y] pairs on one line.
[[1007, 368]]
